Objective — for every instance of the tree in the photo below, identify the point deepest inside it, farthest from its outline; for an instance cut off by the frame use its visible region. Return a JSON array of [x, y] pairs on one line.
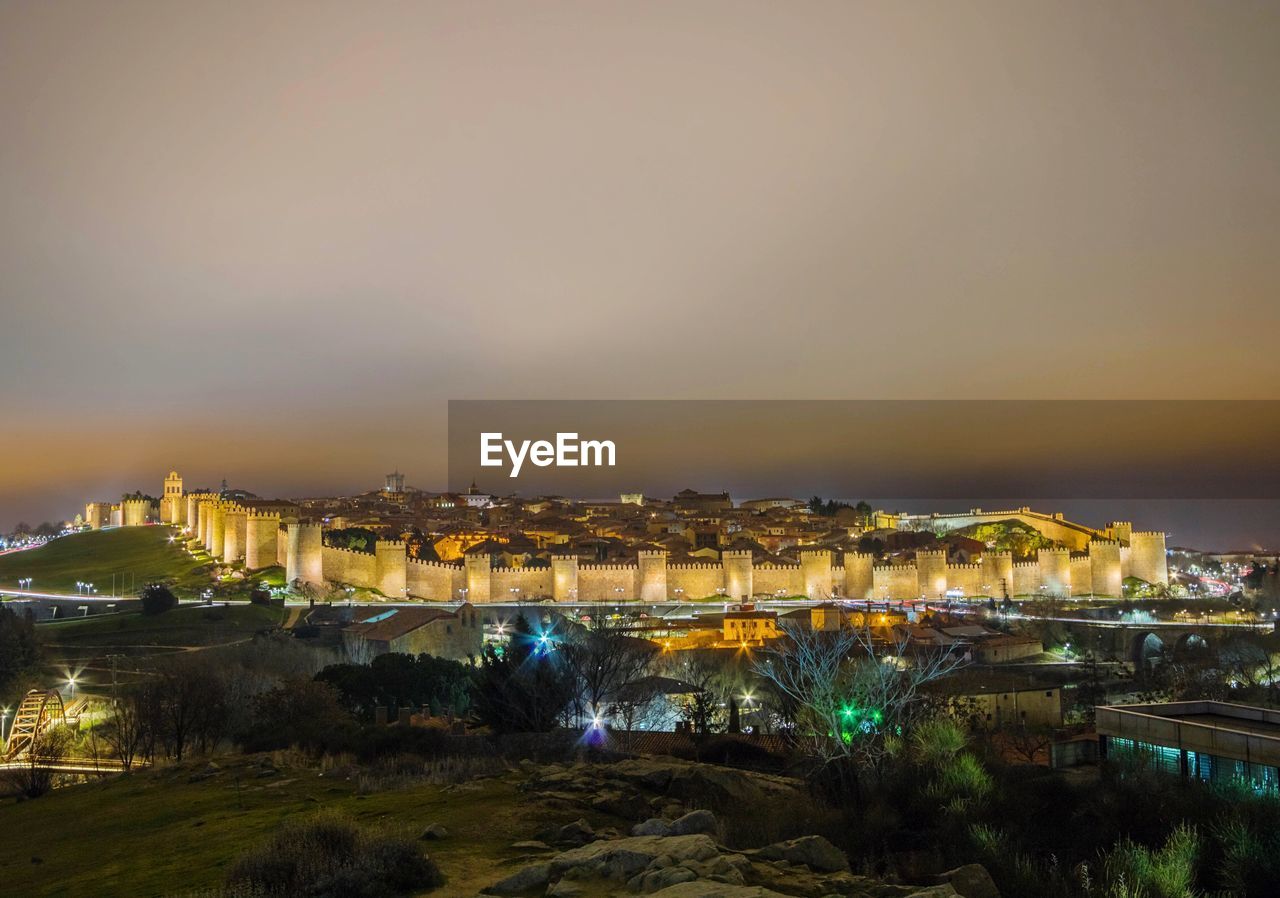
[[525, 686], [705, 671], [848, 702], [33, 776], [604, 660], [157, 599], [127, 730], [192, 706], [20, 651], [301, 712], [440, 684]]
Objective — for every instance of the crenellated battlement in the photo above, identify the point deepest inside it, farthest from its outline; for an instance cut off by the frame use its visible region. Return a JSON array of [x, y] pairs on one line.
[[345, 551], [434, 565]]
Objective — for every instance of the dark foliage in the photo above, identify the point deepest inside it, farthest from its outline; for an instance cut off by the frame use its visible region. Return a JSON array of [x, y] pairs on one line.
[[157, 599], [525, 687], [20, 652], [302, 713], [328, 856], [397, 680]]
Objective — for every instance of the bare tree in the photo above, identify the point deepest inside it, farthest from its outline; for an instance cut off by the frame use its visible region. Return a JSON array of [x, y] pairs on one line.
[[605, 660], [126, 732], [850, 698], [35, 776]]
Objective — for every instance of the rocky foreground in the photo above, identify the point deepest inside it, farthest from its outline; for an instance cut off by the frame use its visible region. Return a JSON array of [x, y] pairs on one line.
[[676, 849]]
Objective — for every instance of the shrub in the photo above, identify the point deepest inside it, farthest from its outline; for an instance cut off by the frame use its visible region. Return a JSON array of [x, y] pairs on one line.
[[328, 856], [937, 741], [260, 596], [1169, 872], [157, 599]]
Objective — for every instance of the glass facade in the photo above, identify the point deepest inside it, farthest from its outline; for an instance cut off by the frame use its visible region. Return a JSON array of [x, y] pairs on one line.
[[1197, 765]]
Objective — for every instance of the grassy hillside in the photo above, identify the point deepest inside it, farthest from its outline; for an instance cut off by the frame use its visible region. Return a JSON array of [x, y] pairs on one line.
[[156, 833], [135, 555], [186, 625]]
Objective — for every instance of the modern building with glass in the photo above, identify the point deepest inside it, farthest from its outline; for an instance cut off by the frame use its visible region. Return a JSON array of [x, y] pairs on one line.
[[1204, 740]]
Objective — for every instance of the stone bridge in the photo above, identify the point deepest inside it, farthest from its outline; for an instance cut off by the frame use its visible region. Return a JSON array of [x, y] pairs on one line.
[[1143, 644]]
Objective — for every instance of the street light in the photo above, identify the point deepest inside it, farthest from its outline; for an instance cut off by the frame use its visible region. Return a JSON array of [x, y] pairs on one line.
[[71, 681], [4, 735]]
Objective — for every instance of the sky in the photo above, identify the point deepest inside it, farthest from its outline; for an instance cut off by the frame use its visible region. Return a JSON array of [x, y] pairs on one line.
[[268, 242]]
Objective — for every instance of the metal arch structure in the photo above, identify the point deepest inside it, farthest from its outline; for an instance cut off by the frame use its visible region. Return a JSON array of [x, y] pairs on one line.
[[40, 709]]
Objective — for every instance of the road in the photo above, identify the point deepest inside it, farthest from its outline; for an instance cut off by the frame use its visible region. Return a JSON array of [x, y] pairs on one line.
[[688, 609]]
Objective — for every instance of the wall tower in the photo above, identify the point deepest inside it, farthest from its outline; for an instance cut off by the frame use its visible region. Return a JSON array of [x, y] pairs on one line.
[[653, 575]]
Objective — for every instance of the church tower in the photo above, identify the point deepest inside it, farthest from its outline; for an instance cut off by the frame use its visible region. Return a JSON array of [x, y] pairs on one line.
[[172, 508]]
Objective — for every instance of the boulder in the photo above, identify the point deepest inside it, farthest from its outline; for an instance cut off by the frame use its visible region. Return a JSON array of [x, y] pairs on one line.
[[708, 784], [654, 826], [704, 889], [970, 881], [565, 888], [528, 879], [694, 822], [434, 831], [579, 832], [646, 772], [623, 858], [814, 852], [655, 880]]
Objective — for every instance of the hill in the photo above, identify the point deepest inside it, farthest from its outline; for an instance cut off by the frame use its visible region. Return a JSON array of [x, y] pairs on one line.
[[1022, 540], [133, 556]]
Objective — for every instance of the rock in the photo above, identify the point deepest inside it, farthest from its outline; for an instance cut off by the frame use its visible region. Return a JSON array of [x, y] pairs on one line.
[[614, 802], [209, 770], [434, 831], [565, 888], [703, 889], [579, 832], [654, 826], [529, 879], [694, 822], [939, 891], [814, 852], [655, 775], [970, 881], [531, 845], [707, 784], [654, 880], [622, 859]]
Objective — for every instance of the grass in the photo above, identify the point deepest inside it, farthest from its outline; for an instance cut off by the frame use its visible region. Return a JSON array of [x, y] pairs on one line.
[[134, 555], [186, 625], [155, 833]]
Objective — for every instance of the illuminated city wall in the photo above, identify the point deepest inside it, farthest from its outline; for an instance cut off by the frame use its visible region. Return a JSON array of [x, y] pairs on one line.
[[230, 531]]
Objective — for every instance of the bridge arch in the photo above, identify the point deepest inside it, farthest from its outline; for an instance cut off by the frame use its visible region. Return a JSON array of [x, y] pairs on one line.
[[1145, 648], [1191, 645], [39, 710]]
